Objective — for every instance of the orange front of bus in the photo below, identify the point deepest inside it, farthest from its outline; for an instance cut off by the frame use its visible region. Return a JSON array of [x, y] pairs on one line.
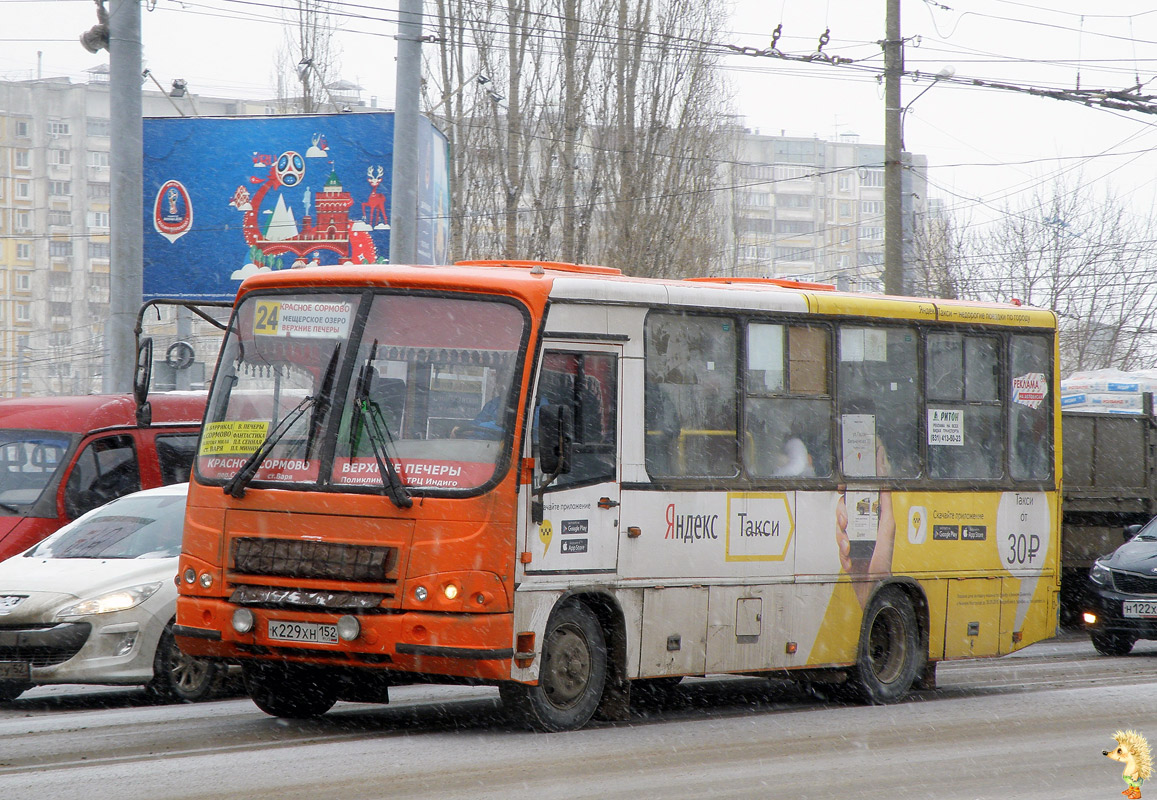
[[351, 522]]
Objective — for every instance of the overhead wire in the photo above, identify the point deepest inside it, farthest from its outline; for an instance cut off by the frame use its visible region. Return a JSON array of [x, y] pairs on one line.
[[347, 13]]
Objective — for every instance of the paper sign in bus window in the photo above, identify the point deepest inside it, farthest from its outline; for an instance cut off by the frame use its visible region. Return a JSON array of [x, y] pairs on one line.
[[946, 426], [1030, 390], [858, 432], [232, 437]]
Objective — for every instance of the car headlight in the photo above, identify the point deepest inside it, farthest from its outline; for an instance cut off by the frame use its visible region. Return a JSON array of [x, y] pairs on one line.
[[1101, 574], [120, 600]]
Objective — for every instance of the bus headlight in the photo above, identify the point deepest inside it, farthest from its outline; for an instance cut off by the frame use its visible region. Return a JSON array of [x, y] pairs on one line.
[[348, 628], [450, 590], [420, 594], [243, 620]]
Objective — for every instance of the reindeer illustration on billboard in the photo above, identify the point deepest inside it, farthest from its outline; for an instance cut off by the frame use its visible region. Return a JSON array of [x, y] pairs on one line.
[[376, 202]]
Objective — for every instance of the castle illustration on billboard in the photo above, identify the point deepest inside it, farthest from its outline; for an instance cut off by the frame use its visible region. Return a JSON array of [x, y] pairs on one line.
[[326, 233]]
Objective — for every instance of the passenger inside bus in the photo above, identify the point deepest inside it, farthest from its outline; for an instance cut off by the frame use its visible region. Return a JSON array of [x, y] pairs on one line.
[[485, 425], [488, 422], [795, 461]]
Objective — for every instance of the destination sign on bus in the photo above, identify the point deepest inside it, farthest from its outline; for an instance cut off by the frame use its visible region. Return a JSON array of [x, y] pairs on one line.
[[364, 471], [315, 319]]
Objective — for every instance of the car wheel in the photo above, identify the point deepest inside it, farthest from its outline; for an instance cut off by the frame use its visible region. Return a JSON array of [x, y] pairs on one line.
[[889, 654], [1112, 644], [179, 677], [571, 676], [291, 691], [9, 691]]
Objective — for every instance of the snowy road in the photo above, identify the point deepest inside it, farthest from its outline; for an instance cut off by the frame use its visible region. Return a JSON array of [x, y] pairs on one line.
[[1028, 726]]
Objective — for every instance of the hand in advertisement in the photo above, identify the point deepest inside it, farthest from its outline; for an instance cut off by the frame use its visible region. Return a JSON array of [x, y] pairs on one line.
[[865, 570]]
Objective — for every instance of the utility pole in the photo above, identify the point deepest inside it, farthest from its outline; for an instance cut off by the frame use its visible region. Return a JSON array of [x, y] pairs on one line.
[[893, 150], [126, 273], [570, 125], [404, 180]]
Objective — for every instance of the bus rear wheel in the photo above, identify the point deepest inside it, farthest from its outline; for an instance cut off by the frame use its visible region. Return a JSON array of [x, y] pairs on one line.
[[571, 676], [291, 691], [889, 658]]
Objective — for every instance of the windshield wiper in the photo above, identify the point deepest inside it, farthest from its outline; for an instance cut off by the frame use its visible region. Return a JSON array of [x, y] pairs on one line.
[[236, 485], [369, 417], [321, 403]]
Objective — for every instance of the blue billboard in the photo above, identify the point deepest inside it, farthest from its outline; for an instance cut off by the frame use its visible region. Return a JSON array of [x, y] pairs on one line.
[[227, 197]]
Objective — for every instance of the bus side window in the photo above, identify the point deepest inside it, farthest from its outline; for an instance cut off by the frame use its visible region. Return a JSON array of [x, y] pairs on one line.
[[1031, 408], [965, 431], [690, 396], [588, 384], [879, 402], [788, 405]]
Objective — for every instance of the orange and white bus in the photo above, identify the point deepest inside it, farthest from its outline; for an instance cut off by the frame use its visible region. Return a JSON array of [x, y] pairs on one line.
[[561, 481]]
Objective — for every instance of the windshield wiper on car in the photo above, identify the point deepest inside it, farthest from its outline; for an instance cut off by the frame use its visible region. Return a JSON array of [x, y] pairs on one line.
[[369, 417], [321, 403]]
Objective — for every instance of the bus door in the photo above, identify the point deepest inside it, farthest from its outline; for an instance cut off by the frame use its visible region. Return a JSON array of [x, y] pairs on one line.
[[574, 518]]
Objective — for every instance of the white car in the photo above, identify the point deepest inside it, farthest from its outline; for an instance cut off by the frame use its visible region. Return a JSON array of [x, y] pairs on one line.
[[95, 603]]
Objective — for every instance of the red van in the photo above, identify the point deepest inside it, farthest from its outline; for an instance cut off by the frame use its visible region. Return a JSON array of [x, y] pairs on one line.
[[63, 456]]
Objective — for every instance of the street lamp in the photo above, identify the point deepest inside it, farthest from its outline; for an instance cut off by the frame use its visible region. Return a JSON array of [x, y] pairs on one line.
[[303, 69], [945, 72], [171, 94], [477, 77]]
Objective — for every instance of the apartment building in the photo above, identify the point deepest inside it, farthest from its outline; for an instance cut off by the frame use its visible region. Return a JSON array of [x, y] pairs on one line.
[[813, 209], [54, 224]]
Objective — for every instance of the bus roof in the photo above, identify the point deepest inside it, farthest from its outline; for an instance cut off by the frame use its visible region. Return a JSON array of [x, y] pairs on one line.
[[84, 413], [536, 281]]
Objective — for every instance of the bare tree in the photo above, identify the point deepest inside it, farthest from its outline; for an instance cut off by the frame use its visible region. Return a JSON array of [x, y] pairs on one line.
[[1091, 261], [598, 137], [937, 255], [307, 61]]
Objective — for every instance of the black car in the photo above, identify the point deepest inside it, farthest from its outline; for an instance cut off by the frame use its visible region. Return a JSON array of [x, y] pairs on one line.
[[1121, 595]]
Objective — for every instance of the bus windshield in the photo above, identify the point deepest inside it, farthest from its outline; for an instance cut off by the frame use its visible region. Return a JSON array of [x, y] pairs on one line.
[[341, 390]]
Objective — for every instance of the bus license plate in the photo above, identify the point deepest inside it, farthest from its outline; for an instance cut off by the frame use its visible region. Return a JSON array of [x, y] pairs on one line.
[[1139, 608], [15, 671], [315, 632]]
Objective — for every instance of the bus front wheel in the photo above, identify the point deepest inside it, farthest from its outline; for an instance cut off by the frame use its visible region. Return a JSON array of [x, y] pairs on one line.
[[889, 656], [290, 690], [571, 676]]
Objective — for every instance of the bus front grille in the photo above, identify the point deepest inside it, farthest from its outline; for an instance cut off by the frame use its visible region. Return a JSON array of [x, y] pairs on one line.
[[308, 559]]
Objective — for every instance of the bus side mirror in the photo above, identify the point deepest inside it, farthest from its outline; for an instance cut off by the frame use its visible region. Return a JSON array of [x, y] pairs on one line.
[[555, 439], [1131, 531], [142, 377]]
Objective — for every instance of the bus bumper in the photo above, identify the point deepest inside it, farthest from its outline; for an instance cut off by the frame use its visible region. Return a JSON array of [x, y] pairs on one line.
[[460, 645]]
